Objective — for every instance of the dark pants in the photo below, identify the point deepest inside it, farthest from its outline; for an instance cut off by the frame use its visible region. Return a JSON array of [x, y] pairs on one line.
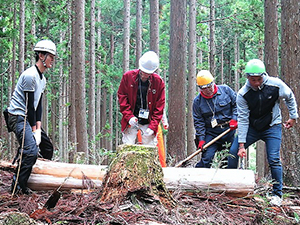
[[209, 153], [272, 138], [30, 149]]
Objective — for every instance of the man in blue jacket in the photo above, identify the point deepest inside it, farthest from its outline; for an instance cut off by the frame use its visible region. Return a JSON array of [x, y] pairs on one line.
[[214, 111], [259, 118]]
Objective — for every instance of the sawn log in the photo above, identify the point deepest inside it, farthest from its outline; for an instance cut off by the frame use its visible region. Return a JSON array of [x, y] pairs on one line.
[[48, 175]]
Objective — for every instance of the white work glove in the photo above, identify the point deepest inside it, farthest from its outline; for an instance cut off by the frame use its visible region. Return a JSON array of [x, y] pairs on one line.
[[133, 121], [148, 132], [38, 136]]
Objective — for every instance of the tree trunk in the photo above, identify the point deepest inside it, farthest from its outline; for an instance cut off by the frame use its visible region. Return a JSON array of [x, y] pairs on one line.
[[110, 120], [222, 59], [212, 44], [12, 79], [98, 110], [117, 123], [271, 37], [62, 113], [79, 69], [191, 77], [236, 59], [92, 78], [126, 35], [138, 31], [98, 86], [22, 37], [33, 29], [154, 26], [290, 67], [72, 118], [271, 63], [177, 81], [53, 110], [103, 116]]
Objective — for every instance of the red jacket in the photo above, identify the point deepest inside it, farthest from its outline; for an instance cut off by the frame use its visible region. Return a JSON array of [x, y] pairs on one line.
[[127, 95]]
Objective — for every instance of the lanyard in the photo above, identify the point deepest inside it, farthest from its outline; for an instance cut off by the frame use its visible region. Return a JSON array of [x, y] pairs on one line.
[[213, 111]]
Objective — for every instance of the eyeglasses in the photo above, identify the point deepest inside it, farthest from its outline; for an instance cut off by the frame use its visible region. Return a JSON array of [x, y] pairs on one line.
[[205, 86]]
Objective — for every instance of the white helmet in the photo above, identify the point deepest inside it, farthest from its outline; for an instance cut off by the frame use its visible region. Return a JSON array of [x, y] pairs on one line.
[[45, 46], [149, 62]]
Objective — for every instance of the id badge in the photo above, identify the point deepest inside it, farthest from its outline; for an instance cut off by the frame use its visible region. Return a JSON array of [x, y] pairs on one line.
[[214, 122], [144, 113]]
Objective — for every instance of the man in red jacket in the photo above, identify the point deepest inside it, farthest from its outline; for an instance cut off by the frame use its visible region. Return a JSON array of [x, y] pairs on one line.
[[141, 97]]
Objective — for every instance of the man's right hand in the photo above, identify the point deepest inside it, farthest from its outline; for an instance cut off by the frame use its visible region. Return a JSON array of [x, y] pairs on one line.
[[200, 145], [242, 152], [133, 121]]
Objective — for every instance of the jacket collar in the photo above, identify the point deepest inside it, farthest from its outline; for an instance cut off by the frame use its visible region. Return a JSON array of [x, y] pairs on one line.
[[137, 74]]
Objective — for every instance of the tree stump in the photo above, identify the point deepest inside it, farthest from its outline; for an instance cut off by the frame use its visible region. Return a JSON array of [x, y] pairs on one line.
[[136, 175]]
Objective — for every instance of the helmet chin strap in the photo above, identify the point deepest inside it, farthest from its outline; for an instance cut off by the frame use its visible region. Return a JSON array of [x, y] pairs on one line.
[[43, 61]]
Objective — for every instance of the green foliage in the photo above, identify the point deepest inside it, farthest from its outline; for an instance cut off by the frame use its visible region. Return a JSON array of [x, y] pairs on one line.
[[234, 18], [220, 158], [297, 217]]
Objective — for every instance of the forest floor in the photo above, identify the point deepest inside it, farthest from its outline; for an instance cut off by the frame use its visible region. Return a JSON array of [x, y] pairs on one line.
[[196, 207]]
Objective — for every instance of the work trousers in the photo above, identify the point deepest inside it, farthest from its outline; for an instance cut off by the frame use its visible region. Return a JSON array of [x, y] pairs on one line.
[[272, 138], [130, 136], [30, 149], [209, 153]]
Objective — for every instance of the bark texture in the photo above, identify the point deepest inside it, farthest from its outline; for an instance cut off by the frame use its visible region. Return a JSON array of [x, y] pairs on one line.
[[135, 175], [290, 58]]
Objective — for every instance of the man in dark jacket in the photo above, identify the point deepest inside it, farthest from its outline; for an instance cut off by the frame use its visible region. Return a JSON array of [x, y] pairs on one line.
[[259, 118], [141, 97], [214, 111]]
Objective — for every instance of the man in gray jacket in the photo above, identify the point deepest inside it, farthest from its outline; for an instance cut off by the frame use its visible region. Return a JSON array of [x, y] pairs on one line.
[[259, 118]]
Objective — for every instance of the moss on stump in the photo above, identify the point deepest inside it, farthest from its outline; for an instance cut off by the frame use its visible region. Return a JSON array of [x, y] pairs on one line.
[[136, 175]]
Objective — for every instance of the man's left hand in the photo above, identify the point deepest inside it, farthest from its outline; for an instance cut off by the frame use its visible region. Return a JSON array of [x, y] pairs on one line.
[[38, 136], [288, 124], [149, 132], [233, 124]]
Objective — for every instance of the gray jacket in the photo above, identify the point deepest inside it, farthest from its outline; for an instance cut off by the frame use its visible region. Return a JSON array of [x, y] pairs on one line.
[[249, 106]]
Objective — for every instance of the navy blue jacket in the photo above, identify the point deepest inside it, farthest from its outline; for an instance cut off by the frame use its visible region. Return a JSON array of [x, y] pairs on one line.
[[223, 104]]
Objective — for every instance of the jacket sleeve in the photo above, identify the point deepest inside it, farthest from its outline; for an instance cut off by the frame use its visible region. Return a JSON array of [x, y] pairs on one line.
[[289, 98], [199, 123], [123, 97], [30, 108], [243, 118], [158, 108]]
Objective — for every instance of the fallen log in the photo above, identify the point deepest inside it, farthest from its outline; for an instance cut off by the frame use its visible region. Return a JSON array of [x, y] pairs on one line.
[[48, 175], [60, 169], [231, 181]]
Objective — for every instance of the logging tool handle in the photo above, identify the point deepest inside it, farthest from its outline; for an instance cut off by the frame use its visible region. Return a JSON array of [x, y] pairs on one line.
[[204, 147]]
